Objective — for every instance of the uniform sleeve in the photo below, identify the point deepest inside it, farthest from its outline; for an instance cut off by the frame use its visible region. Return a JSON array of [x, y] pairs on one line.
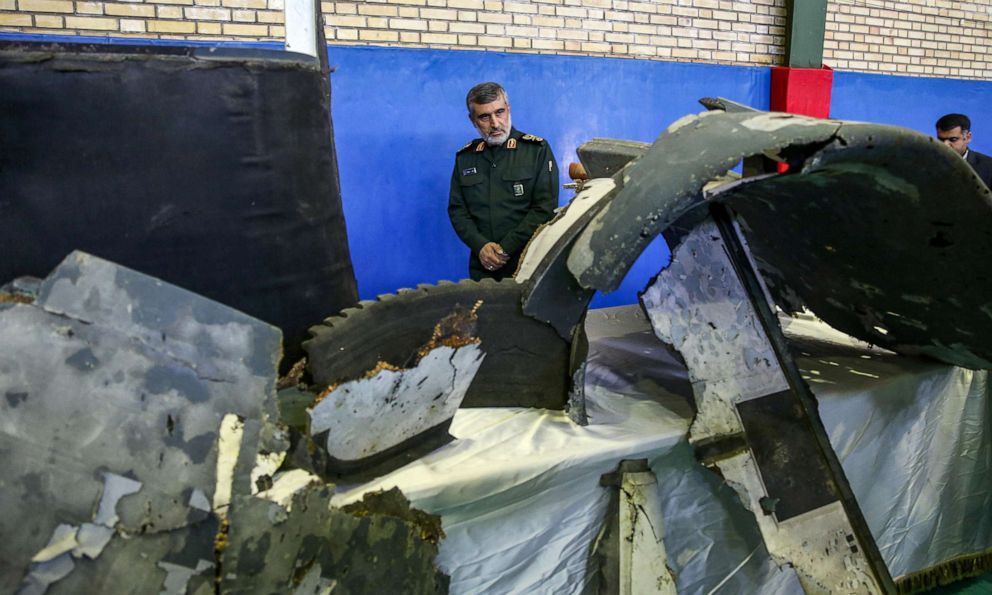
[[460, 218], [543, 203]]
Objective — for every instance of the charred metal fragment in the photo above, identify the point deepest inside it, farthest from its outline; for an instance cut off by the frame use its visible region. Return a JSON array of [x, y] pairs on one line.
[[628, 555], [372, 425], [605, 157], [526, 361], [576, 406], [725, 105], [894, 230], [551, 294], [22, 290], [117, 385], [668, 180], [746, 384], [378, 546], [907, 283]]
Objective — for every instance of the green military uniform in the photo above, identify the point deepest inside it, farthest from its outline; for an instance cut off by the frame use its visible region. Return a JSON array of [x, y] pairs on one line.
[[502, 194]]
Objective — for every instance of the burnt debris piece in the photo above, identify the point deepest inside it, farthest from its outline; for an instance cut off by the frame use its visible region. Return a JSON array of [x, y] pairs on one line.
[[379, 545], [878, 230], [628, 555], [138, 423], [784, 470], [117, 387], [390, 416], [605, 157], [526, 361]]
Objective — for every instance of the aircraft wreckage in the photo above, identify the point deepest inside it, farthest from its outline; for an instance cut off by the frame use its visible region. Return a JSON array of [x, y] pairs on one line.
[[174, 433]]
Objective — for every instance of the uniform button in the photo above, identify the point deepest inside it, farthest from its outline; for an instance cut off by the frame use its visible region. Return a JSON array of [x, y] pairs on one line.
[[494, 165]]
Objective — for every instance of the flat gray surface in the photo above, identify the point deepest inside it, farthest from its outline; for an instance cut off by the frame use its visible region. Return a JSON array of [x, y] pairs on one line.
[[114, 372]]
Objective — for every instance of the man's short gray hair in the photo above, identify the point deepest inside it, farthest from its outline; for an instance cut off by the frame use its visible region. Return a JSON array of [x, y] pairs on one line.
[[485, 93]]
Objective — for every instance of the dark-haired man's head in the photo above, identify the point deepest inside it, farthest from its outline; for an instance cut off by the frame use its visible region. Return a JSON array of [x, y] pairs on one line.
[[954, 130]]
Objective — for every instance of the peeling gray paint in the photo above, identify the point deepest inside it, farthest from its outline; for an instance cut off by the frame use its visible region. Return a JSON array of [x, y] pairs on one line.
[[700, 306], [271, 549], [129, 453]]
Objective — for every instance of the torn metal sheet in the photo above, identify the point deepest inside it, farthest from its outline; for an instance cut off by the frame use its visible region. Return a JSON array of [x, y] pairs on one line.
[[379, 545], [752, 428], [551, 293], [526, 361], [605, 157], [376, 423], [115, 386], [726, 105], [628, 555], [895, 231], [22, 290], [667, 181], [905, 282]]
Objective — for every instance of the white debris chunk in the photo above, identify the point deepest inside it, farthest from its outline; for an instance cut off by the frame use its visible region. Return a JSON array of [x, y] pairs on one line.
[[368, 416], [115, 487], [232, 429]]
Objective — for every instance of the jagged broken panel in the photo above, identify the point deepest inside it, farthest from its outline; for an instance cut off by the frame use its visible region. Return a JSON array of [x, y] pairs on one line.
[[752, 426], [628, 555], [378, 546], [392, 415], [363, 418], [667, 181], [115, 387], [881, 231], [551, 293], [885, 237], [526, 361]]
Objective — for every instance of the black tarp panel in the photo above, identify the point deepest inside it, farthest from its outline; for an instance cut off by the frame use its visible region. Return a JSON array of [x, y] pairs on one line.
[[214, 170]]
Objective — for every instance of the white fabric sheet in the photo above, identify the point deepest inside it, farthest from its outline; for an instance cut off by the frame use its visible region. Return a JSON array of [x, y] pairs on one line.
[[518, 490]]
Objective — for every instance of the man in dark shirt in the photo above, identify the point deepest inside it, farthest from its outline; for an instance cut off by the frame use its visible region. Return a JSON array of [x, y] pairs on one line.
[[954, 130], [504, 185]]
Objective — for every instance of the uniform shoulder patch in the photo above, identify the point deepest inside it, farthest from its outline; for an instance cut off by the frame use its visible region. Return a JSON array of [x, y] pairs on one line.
[[532, 138], [467, 146]]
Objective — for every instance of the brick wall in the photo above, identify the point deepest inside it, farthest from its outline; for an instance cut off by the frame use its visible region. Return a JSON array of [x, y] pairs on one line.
[[733, 32], [750, 32], [912, 37], [156, 19]]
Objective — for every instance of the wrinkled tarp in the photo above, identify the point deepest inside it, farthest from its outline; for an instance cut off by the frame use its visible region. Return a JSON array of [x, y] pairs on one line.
[[521, 503]]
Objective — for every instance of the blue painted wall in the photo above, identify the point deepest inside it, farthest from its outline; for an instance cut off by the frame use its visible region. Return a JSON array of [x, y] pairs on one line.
[[913, 102], [399, 117]]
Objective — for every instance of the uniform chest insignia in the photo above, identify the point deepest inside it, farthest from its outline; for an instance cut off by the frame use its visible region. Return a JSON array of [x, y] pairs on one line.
[[518, 189], [469, 171], [532, 138], [480, 147], [511, 144]]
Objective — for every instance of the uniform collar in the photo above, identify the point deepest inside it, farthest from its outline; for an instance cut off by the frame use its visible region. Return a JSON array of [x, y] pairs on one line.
[[512, 142]]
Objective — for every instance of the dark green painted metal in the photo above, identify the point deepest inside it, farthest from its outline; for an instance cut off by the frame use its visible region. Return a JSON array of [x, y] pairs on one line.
[[806, 21]]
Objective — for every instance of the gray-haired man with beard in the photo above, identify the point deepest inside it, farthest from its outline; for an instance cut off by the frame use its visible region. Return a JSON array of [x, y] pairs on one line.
[[504, 185]]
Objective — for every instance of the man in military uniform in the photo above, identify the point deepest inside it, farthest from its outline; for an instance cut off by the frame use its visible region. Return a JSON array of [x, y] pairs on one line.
[[504, 185], [954, 130]]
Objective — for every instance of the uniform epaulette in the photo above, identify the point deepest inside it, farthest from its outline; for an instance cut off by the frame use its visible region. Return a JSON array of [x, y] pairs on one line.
[[466, 147], [532, 138]]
